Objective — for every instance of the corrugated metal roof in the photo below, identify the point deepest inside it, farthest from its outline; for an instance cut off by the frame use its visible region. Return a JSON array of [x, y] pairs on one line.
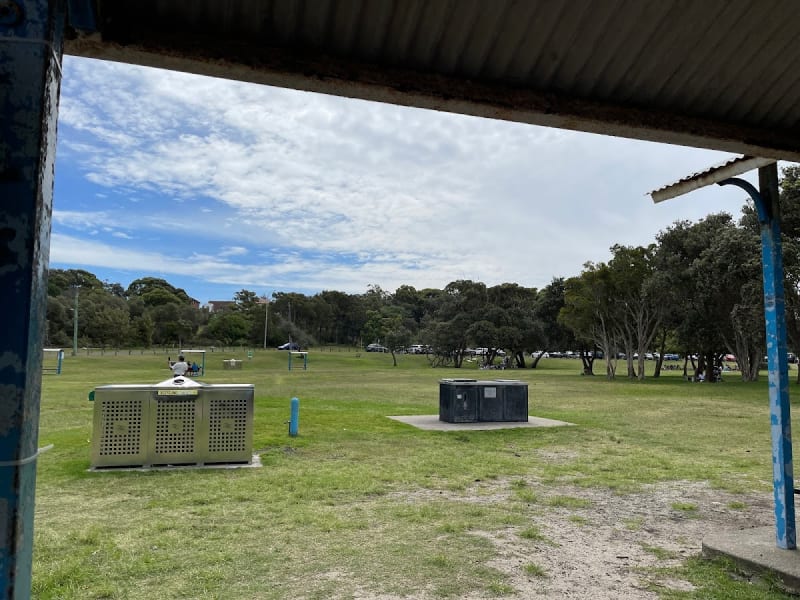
[[716, 73], [695, 181]]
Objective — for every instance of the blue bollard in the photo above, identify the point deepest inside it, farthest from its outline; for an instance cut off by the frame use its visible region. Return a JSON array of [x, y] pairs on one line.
[[295, 418]]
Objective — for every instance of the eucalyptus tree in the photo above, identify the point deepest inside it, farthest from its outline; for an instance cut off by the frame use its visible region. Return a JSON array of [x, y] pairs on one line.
[[592, 313], [638, 297]]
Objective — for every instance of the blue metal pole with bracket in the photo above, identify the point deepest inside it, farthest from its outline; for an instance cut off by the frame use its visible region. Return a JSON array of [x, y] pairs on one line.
[[768, 210], [31, 41]]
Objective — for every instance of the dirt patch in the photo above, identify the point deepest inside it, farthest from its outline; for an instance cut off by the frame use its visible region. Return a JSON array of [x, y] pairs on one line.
[[600, 545], [606, 549]]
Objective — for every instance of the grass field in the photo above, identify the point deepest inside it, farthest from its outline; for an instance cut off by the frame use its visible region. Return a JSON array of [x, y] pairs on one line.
[[361, 506]]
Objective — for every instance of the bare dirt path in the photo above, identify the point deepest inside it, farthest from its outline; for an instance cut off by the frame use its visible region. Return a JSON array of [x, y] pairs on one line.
[[606, 550]]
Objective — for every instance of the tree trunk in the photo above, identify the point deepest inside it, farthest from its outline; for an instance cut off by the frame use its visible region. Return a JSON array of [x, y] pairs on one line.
[[535, 361], [709, 367], [640, 364], [587, 358], [662, 346], [611, 366]]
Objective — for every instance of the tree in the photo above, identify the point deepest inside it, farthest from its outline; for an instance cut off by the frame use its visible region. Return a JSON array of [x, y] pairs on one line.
[[227, 327], [789, 200], [245, 300], [638, 296], [548, 305], [710, 263], [513, 313], [591, 311], [463, 304], [59, 281], [147, 285]]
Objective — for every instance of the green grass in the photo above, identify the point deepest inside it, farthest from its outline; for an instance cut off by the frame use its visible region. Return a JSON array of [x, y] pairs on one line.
[[359, 504], [534, 570]]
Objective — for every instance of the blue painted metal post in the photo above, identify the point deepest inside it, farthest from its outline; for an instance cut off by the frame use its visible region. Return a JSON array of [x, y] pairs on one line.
[[294, 420], [769, 217], [31, 35]]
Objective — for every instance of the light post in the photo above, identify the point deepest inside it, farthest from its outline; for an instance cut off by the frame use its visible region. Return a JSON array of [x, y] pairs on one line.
[[266, 318], [75, 323]]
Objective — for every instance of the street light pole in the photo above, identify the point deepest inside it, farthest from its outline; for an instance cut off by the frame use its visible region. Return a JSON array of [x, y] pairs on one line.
[[266, 319], [75, 324]]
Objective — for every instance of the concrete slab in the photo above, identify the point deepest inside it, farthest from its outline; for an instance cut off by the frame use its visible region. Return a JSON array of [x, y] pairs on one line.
[[432, 422], [754, 550]]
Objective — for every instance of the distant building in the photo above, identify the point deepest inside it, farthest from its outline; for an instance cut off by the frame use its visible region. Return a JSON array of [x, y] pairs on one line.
[[195, 303], [216, 305]]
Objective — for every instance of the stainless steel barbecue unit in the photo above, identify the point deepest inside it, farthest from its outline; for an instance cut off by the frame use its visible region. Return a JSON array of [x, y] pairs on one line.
[[177, 421]]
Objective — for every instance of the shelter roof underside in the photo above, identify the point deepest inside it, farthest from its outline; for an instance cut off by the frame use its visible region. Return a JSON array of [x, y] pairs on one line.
[[718, 74]]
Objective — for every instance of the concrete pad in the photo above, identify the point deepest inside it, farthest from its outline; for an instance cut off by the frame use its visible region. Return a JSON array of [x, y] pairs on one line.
[[754, 550], [432, 422]]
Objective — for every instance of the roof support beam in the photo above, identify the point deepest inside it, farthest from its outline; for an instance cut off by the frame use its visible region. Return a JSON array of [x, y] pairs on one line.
[[769, 217]]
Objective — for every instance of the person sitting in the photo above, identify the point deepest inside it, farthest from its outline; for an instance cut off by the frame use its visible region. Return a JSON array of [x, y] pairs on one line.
[[194, 369], [179, 368]]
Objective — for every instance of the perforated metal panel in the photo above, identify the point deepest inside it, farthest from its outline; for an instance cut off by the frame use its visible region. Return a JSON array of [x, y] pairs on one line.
[[175, 424], [120, 429], [229, 429]]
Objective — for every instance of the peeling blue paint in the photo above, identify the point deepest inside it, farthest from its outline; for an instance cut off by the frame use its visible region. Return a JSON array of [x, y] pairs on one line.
[[30, 55], [774, 313]]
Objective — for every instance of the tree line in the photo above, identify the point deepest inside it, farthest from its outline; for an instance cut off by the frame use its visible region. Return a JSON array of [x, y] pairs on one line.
[[696, 290]]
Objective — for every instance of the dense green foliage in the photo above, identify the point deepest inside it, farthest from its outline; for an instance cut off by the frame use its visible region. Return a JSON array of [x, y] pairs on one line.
[[696, 291]]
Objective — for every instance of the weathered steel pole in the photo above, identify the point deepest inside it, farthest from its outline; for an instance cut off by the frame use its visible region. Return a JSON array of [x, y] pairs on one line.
[[769, 216], [31, 35]]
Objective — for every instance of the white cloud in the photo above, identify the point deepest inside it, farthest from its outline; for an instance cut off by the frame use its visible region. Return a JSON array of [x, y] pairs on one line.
[[233, 251], [361, 192]]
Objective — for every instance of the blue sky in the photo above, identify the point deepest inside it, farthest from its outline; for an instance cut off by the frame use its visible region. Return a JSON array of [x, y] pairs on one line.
[[217, 185]]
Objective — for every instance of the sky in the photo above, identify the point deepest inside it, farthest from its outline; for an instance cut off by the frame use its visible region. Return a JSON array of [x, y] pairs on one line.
[[218, 186]]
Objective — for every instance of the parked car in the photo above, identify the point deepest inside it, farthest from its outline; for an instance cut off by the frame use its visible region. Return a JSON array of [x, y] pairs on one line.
[[289, 346], [417, 349], [377, 348]]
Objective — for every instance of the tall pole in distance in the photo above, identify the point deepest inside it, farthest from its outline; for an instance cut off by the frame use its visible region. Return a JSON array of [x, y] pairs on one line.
[[75, 324], [266, 318]]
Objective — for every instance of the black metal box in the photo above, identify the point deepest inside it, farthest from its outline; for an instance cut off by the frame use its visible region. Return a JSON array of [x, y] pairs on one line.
[[472, 401]]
